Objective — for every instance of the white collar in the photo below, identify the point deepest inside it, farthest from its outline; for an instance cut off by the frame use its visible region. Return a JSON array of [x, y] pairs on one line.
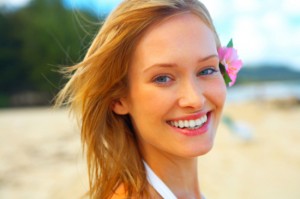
[[158, 184], [163, 190]]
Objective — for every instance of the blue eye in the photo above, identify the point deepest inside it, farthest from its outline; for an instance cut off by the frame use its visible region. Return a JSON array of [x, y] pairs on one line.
[[162, 79], [208, 71]]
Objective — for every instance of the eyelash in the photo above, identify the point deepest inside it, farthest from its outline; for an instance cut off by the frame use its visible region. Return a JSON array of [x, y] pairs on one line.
[[158, 79], [161, 79], [212, 71]]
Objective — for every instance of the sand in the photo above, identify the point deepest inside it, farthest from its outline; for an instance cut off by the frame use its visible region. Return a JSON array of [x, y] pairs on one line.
[[41, 154]]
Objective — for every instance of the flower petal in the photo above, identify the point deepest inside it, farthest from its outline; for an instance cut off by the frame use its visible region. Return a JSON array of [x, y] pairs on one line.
[[229, 59]]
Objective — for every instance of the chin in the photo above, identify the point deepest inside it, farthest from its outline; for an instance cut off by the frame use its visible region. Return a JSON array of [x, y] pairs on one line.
[[200, 151]]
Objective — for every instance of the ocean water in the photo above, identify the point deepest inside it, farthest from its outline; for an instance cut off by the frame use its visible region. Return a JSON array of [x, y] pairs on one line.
[[264, 91]]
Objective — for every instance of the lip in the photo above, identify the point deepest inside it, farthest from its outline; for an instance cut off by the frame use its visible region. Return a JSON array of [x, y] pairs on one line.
[[193, 132]]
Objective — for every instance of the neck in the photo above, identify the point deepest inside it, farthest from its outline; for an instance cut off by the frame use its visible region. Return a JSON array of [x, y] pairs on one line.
[[179, 174]]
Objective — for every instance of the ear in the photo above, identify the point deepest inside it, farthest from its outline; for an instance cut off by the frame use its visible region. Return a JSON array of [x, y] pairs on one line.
[[120, 107]]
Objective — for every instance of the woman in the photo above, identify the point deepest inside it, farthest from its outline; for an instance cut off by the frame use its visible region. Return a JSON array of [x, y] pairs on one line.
[[149, 95]]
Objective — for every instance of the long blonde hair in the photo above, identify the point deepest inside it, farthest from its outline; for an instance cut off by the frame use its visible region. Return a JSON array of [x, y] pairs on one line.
[[100, 79]]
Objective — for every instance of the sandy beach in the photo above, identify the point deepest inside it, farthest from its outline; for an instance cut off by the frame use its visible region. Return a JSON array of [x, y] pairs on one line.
[[41, 154]]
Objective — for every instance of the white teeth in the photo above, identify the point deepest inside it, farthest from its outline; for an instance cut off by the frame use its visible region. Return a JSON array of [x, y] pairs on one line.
[[204, 119], [198, 122], [189, 123], [192, 123], [181, 124], [186, 123], [175, 123]]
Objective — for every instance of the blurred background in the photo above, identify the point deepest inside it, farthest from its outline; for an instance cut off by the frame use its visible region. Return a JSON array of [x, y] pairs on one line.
[[257, 151]]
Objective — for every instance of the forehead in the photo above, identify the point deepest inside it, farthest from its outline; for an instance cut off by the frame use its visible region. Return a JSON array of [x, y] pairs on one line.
[[181, 32]]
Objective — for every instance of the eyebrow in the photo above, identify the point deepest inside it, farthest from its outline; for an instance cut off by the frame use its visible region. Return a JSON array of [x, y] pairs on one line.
[[170, 65]]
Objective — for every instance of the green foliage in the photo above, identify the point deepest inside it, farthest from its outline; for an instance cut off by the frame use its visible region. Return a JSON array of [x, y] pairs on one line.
[[35, 40], [225, 75], [267, 72], [230, 44]]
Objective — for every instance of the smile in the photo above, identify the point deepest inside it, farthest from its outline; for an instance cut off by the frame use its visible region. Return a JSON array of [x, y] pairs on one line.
[[189, 124]]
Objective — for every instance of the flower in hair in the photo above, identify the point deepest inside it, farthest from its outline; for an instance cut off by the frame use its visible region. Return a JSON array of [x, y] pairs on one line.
[[229, 63]]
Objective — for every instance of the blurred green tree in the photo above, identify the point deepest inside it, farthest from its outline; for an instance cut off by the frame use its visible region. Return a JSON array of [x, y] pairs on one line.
[[35, 40]]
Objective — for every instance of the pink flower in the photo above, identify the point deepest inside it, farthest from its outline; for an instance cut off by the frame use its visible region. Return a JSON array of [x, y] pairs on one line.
[[229, 59]]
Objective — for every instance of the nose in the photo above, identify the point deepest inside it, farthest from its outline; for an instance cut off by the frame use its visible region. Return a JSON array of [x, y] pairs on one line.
[[191, 95]]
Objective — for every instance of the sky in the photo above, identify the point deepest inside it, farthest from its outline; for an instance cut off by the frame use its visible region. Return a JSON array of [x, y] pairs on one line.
[[265, 31]]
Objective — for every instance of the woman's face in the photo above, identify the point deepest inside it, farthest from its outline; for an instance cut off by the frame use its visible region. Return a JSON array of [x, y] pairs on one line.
[[176, 91]]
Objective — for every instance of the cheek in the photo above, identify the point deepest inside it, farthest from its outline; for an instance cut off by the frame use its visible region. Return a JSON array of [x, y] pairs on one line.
[[149, 98], [217, 95], [222, 93], [147, 112]]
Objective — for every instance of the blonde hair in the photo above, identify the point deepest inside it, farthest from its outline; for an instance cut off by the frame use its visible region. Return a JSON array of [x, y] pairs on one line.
[[99, 80]]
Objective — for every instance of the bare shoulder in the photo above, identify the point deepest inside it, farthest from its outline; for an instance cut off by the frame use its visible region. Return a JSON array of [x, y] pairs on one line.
[[120, 193]]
